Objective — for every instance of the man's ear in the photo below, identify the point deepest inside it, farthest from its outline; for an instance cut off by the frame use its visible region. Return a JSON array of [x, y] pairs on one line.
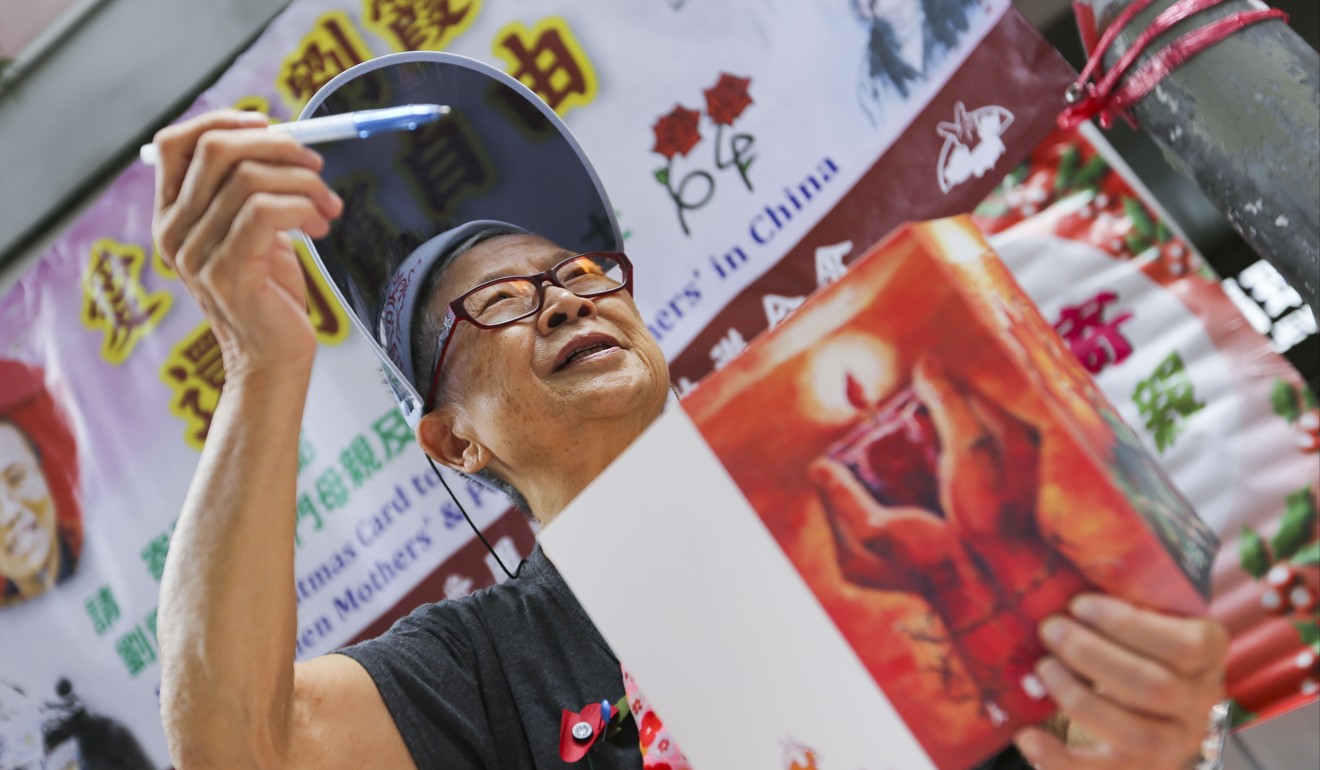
[[448, 441]]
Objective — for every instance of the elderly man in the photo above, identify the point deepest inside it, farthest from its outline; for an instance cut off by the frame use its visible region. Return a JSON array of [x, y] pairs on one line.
[[543, 401]]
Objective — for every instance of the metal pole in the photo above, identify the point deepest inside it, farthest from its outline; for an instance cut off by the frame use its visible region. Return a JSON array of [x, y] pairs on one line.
[[1242, 119]]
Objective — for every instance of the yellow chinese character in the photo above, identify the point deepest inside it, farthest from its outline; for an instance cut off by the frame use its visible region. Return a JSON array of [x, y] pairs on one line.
[[253, 103], [196, 375], [331, 47], [363, 232], [548, 60], [417, 25], [159, 265], [445, 162], [115, 301], [323, 309]]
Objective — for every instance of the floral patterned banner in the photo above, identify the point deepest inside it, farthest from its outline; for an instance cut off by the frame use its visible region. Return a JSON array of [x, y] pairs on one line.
[[1230, 419]]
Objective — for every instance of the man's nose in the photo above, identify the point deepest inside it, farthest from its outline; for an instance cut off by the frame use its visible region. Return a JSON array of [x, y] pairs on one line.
[[562, 306]]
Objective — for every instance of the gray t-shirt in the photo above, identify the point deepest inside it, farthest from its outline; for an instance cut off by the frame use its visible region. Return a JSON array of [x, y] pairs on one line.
[[480, 682]]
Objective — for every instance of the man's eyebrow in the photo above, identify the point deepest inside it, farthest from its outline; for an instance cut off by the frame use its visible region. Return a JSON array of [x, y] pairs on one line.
[[490, 275]]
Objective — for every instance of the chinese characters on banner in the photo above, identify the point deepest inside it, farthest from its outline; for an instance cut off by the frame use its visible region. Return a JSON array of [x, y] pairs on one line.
[[115, 301]]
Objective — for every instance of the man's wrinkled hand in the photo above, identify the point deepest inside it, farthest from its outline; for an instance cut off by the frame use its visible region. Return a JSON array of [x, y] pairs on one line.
[[227, 193], [1141, 684]]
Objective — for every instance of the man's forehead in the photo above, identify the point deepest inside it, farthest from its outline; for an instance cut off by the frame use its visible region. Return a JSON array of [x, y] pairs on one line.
[[500, 256]]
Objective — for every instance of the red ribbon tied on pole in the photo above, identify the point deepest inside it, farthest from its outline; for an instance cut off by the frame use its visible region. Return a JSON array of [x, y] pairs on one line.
[[1106, 99]]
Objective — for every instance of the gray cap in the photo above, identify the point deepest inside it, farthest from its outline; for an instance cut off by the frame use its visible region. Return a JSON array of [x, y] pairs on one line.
[[501, 157], [394, 329]]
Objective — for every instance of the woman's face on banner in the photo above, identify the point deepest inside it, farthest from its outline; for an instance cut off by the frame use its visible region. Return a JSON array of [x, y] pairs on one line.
[[27, 513]]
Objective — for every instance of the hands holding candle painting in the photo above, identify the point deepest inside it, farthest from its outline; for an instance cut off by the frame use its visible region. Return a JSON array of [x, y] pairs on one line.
[[1140, 682]]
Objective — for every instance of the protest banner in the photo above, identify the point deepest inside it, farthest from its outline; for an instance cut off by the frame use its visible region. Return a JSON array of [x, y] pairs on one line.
[[721, 132], [751, 152]]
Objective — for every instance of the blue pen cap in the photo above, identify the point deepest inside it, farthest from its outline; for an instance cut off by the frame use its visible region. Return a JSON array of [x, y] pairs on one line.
[[407, 117]]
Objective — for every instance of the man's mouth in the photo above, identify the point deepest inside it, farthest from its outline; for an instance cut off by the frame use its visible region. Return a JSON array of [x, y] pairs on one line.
[[584, 347]]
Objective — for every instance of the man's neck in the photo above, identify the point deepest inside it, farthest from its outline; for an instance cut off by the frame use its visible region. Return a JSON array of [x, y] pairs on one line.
[[559, 477]]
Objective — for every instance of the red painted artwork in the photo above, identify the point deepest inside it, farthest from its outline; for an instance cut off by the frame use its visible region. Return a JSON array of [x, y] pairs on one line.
[[944, 475]]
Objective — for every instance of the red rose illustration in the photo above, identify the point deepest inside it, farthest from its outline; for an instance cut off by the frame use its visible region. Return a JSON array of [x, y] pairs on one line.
[[676, 133], [727, 99]]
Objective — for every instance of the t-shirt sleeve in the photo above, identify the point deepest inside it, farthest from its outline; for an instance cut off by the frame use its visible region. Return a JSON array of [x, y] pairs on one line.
[[425, 670], [1008, 759]]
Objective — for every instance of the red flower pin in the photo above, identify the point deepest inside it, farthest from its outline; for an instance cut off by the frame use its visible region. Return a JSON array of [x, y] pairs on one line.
[[676, 133], [727, 99], [579, 731]]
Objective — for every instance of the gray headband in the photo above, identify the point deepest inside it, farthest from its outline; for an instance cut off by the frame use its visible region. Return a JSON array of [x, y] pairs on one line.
[[395, 327]]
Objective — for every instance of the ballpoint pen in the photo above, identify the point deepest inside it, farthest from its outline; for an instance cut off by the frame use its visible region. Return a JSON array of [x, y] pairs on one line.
[[349, 125]]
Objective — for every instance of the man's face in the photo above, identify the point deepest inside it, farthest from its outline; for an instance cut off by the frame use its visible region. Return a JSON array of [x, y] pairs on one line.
[[521, 385], [27, 513]]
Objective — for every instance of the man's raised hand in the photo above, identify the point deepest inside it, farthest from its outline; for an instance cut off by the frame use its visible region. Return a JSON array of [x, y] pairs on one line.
[[227, 193]]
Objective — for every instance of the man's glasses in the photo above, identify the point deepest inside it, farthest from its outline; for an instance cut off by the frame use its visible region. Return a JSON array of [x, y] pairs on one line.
[[515, 297]]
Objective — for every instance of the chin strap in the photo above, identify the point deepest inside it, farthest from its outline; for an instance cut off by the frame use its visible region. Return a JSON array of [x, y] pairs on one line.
[[512, 575]]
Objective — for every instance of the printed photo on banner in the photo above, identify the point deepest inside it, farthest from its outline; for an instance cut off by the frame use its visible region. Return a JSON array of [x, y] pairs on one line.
[[41, 522], [57, 730]]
